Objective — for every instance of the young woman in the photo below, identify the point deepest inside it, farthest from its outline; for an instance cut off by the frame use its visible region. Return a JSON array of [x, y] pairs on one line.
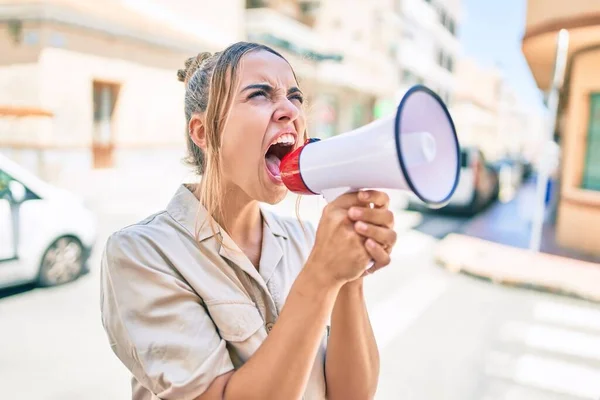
[[216, 298]]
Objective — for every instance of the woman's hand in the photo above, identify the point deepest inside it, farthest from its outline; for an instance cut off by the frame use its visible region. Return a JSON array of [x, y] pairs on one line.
[[339, 254], [375, 225]]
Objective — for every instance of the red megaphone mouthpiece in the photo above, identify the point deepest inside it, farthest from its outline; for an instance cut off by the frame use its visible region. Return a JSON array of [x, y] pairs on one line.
[[290, 170]]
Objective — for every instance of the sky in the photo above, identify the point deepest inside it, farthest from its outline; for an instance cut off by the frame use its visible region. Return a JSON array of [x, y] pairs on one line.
[[491, 32]]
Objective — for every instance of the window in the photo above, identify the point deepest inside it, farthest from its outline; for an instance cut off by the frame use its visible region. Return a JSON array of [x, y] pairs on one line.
[[452, 27], [447, 20], [4, 181], [393, 52], [591, 169], [104, 101], [309, 7], [443, 17], [398, 6], [255, 3], [450, 64], [410, 78], [448, 99], [445, 60], [440, 58]]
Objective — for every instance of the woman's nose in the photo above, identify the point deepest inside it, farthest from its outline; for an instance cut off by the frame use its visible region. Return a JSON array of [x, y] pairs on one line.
[[286, 110]]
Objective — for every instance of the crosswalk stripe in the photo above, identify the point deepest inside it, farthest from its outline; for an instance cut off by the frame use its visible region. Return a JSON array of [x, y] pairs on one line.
[[394, 315], [568, 315], [556, 340], [546, 373]]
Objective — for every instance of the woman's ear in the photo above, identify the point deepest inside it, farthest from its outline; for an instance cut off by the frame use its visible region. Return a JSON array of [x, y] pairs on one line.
[[197, 131]]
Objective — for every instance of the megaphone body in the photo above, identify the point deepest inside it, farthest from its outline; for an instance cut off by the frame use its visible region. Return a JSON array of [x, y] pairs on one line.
[[415, 149]]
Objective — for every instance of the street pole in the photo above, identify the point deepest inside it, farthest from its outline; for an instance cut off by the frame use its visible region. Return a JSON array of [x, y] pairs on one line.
[[562, 49]]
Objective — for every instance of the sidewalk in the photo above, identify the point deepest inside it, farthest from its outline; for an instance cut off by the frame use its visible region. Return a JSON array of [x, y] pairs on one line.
[[510, 224], [519, 267], [494, 246]]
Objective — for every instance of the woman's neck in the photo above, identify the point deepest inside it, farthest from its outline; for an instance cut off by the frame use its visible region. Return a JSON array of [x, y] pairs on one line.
[[243, 222]]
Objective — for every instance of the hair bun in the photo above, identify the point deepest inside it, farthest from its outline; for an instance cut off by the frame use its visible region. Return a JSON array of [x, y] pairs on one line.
[[192, 64]]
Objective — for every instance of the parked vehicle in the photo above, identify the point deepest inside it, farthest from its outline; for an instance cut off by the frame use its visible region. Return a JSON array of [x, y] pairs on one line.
[[46, 233], [478, 185]]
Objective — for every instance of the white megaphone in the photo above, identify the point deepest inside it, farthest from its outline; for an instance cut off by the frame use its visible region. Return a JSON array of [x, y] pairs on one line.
[[416, 149]]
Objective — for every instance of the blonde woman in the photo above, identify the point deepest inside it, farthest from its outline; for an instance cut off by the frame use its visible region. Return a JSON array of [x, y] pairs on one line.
[[216, 298]]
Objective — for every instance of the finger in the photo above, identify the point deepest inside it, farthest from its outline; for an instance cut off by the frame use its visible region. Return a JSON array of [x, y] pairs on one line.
[[375, 216], [378, 254], [347, 200], [383, 236], [377, 198]]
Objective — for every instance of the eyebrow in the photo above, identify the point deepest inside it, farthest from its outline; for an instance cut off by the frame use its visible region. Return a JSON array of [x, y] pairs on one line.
[[268, 88]]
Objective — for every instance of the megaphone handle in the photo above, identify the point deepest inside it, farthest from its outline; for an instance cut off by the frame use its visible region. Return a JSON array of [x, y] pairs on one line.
[[370, 265]]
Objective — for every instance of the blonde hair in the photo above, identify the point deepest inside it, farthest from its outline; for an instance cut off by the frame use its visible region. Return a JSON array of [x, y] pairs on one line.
[[211, 80]]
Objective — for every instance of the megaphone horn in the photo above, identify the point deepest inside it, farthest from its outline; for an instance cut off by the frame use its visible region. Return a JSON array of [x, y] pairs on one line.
[[416, 149]]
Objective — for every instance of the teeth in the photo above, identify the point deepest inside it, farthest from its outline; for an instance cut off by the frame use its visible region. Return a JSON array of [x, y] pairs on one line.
[[286, 138]]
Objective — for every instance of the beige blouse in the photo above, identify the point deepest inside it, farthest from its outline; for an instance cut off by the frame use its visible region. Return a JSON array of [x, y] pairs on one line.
[[178, 317]]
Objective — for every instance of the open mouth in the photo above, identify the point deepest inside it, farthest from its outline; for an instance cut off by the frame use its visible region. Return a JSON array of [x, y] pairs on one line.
[[279, 149]]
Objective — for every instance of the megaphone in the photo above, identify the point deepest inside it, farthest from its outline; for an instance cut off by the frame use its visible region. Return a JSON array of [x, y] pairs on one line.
[[416, 149]]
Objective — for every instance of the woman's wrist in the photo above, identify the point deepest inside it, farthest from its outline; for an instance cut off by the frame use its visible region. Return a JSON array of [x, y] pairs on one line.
[[355, 285], [317, 275]]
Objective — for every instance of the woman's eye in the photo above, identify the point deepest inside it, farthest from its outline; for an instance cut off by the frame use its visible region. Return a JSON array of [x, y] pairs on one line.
[[297, 97], [257, 94]]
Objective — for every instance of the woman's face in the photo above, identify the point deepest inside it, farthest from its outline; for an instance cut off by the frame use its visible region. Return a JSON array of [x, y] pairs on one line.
[[266, 109]]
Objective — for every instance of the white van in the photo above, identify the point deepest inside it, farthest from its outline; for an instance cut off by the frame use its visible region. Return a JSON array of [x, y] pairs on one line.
[[478, 185], [46, 233]]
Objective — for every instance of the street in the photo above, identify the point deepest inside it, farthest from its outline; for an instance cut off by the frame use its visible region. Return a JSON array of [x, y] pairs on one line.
[[441, 335]]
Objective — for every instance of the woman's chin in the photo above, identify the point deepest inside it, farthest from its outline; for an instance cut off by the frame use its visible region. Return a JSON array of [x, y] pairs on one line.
[[275, 189], [275, 194]]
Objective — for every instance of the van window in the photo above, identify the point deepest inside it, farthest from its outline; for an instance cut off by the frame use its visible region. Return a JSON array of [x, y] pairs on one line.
[[4, 181], [591, 168], [464, 158]]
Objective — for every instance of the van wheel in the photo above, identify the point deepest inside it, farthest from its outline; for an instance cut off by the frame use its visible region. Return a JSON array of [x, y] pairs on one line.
[[62, 262]]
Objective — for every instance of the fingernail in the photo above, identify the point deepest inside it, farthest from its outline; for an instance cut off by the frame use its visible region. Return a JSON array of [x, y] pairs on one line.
[[370, 244], [355, 213], [363, 195], [361, 226]]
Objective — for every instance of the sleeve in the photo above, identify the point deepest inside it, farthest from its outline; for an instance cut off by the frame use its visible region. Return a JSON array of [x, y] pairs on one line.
[[156, 323]]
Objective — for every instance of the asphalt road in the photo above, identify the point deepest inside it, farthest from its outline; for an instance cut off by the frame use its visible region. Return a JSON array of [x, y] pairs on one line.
[[441, 335]]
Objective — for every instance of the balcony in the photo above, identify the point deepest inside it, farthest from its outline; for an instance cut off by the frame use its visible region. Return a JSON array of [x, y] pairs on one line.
[[303, 11], [545, 18], [316, 57], [262, 23]]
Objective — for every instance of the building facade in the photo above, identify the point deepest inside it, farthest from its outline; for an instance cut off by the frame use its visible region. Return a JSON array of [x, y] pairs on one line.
[[106, 74], [578, 124], [103, 74], [489, 114], [340, 51], [428, 47]]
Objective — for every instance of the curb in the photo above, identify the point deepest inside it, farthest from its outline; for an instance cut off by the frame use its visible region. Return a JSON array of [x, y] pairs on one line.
[[517, 267]]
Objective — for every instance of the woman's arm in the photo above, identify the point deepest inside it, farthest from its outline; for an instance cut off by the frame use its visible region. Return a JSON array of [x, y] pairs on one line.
[[352, 364], [281, 367]]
